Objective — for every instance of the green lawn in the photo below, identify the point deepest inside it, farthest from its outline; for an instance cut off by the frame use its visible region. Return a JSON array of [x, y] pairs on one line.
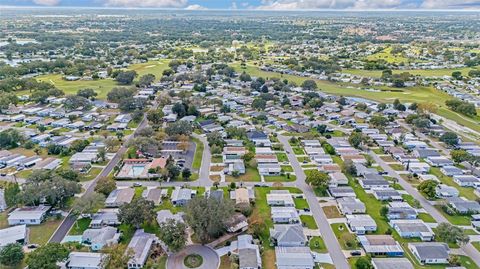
[[197, 158], [282, 157], [287, 168], [302, 159], [426, 217], [3, 220], [309, 222], [300, 203], [100, 86], [316, 244], [387, 55], [423, 73], [251, 174], [80, 226], [40, 234], [397, 167], [281, 178], [465, 192], [455, 219], [298, 151], [217, 159], [347, 240]]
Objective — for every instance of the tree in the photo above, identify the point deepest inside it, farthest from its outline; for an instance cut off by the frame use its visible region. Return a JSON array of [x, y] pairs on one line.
[[317, 179], [179, 109], [137, 212], [12, 194], [146, 80], [120, 93], [173, 234], [363, 263], [384, 211], [460, 155], [118, 255], [87, 93], [173, 171], [449, 138], [448, 233], [207, 216], [11, 254], [105, 185], [421, 123], [126, 77], [245, 77], [215, 138], [46, 257], [349, 168], [10, 138], [186, 174], [88, 203], [379, 121], [428, 187], [457, 75], [309, 85], [155, 116], [355, 139], [179, 128], [259, 104]]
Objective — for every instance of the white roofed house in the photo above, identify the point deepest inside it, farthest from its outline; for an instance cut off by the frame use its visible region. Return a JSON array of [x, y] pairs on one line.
[[466, 180], [284, 215], [32, 215], [248, 253], [280, 198], [140, 244], [430, 252], [86, 260], [361, 224], [181, 197], [413, 229], [119, 197], [15, 234], [351, 205], [288, 235], [294, 258], [3, 203]]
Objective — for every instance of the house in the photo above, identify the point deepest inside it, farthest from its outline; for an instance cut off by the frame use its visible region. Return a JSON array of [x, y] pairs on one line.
[[153, 194], [86, 260], [337, 178], [105, 217], [380, 245], [98, 238], [370, 184], [269, 169], [242, 195], [391, 263], [401, 210], [294, 258], [237, 222], [119, 197], [280, 198], [123, 118], [430, 253], [141, 243], [412, 229], [361, 224], [338, 192], [180, 197], [443, 191], [425, 153], [466, 180], [164, 215], [388, 194], [463, 206], [248, 253], [15, 234], [451, 171], [288, 235], [350, 205], [31, 215], [417, 167], [284, 214], [439, 161]]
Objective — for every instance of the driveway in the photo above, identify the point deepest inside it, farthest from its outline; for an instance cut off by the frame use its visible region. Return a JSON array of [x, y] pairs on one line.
[[210, 257]]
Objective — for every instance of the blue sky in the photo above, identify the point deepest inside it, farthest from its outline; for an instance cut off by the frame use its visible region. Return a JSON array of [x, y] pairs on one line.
[[258, 4]]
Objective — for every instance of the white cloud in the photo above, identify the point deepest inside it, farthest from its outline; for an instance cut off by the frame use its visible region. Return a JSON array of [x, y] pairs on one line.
[[196, 7], [432, 4], [46, 2], [234, 5], [147, 3]]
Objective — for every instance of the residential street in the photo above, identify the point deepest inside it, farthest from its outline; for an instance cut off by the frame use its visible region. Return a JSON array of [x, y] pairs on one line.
[[331, 241], [469, 249]]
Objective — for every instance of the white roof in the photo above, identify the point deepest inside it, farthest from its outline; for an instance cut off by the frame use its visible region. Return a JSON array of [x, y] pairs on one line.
[[85, 260], [35, 212], [12, 234]]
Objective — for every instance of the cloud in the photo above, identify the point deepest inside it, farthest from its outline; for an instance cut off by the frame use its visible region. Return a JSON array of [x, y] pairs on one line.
[[196, 7], [147, 3], [457, 4], [46, 2]]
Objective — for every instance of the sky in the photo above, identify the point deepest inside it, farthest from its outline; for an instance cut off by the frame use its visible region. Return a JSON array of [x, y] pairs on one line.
[[258, 4]]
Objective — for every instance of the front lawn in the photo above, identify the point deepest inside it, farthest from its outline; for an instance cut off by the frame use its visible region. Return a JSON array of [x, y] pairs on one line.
[[251, 175], [426, 217], [281, 178], [298, 151], [331, 212], [316, 244], [397, 167], [455, 219], [40, 234], [309, 222], [300, 203], [282, 157], [197, 158], [217, 159], [287, 168], [303, 159], [347, 240], [80, 226]]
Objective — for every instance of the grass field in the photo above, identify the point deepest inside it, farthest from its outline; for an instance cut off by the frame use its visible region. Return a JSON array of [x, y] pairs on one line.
[[347, 240], [422, 73], [387, 55], [103, 86], [387, 95], [40, 234], [316, 244], [331, 212], [300, 203], [309, 222], [197, 158], [251, 174], [465, 192], [281, 178], [80, 226]]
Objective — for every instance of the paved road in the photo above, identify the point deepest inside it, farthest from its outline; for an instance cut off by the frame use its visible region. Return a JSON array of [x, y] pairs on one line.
[[469, 249], [210, 257], [204, 177], [331, 241], [69, 221]]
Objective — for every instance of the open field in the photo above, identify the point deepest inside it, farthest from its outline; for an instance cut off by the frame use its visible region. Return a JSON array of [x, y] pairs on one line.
[[103, 86], [415, 72], [387, 55]]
